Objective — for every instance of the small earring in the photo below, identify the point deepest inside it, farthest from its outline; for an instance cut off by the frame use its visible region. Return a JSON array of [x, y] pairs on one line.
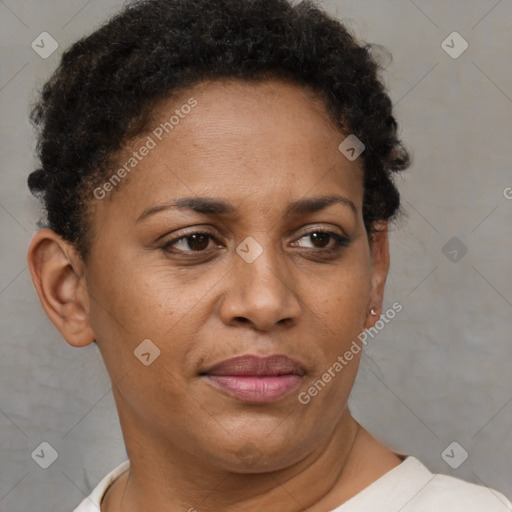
[[373, 311]]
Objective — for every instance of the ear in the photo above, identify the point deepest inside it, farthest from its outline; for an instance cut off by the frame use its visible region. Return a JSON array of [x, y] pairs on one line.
[[379, 249], [57, 273]]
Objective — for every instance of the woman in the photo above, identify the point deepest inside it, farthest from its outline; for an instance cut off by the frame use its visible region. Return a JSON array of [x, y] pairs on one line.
[[217, 177]]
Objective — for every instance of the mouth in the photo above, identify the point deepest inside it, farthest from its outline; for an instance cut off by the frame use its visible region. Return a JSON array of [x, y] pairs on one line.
[[256, 379]]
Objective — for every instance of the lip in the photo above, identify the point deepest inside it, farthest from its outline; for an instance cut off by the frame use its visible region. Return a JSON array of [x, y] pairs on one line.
[[254, 378]]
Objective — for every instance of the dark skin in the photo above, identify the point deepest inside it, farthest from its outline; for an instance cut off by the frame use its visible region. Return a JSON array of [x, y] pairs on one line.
[[259, 147]]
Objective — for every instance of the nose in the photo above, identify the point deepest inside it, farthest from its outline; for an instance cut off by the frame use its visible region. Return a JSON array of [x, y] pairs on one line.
[[261, 294]]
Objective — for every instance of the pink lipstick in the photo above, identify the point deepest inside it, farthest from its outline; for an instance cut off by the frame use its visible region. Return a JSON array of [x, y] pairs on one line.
[[256, 379]]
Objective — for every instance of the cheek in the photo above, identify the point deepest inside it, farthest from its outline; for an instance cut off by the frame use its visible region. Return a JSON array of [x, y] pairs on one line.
[[140, 302], [129, 306], [341, 301], [144, 338], [339, 312]]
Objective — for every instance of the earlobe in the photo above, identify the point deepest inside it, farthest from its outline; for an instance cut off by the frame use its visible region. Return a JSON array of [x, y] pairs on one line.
[[56, 271], [380, 267]]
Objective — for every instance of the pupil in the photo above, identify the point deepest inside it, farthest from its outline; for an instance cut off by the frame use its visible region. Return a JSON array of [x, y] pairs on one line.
[[198, 242], [315, 237]]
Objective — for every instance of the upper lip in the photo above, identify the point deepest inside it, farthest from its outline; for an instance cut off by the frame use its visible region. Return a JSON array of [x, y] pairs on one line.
[[257, 365]]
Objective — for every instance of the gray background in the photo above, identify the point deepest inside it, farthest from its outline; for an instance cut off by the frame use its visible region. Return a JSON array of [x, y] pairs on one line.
[[439, 372]]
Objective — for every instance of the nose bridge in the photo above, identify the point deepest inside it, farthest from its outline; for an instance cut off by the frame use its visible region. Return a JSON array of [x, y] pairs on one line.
[[260, 262], [260, 289]]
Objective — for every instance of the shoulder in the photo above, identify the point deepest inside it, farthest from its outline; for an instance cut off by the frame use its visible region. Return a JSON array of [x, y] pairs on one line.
[[443, 492], [92, 502]]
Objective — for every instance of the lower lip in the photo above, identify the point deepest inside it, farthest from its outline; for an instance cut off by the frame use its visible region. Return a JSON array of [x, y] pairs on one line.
[[256, 389]]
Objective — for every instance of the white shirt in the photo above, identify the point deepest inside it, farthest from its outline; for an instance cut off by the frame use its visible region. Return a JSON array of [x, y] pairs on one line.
[[408, 487]]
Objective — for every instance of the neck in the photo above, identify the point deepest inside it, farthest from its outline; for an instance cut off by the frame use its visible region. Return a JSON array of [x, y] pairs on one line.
[[162, 476]]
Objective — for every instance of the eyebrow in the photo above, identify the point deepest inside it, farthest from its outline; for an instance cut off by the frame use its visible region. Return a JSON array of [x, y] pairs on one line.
[[220, 207]]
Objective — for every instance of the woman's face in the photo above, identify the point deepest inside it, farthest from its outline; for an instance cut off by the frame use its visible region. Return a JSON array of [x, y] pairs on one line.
[[261, 280]]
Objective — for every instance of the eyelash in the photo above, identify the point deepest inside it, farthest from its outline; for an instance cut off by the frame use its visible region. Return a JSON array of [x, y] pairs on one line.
[[340, 241]]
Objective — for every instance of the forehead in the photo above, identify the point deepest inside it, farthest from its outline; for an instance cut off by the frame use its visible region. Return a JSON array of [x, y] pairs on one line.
[[252, 142]]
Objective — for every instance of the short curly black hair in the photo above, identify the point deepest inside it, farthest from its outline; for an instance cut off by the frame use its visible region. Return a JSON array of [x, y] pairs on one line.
[[107, 83]]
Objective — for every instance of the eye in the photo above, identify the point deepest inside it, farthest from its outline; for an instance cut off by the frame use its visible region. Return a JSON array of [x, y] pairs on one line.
[[320, 238], [199, 241], [193, 242]]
